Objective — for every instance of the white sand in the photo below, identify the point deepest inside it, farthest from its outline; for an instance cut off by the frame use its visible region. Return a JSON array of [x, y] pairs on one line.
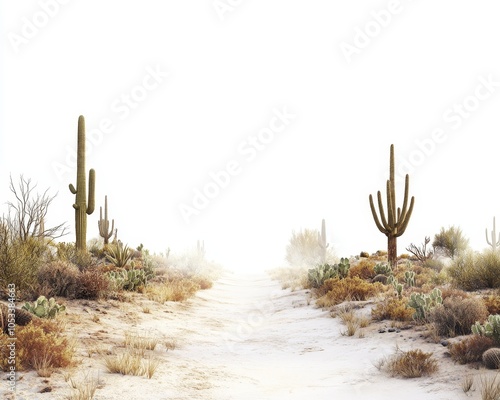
[[247, 339]]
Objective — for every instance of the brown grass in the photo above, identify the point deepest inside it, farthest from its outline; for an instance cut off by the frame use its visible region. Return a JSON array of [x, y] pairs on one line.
[[338, 290], [470, 349], [392, 308], [363, 269], [173, 290], [411, 364], [490, 387], [492, 303]]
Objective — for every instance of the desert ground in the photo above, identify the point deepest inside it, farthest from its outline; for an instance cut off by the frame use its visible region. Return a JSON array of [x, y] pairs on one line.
[[245, 338]]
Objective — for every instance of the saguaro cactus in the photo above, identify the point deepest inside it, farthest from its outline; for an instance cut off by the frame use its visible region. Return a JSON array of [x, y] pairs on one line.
[[200, 248], [103, 224], [323, 245], [82, 206], [495, 240], [397, 220]]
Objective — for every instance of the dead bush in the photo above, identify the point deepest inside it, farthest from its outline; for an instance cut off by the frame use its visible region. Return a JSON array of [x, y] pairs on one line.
[[339, 290], [93, 284], [470, 349], [393, 308], [411, 364], [363, 269], [456, 315], [58, 278]]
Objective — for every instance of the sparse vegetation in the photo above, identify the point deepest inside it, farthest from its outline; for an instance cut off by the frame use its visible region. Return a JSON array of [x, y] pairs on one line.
[[338, 290], [393, 308], [410, 364], [451, 242], [470, 349]]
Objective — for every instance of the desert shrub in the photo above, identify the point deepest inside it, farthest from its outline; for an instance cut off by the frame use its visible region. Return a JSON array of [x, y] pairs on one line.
[[492, 303], [473, 271], [456, 315], [303, 249], [447, 292], [172, 290], [21, 317], [203, 282], [363, 269], [470, 349], [19, 262], [411, 364], [34, 345], [93, 284], [393, 308], [451, 242], [337, 290], [58, 278], [491, 358], [68, 252], [364, 254], [433, 264]]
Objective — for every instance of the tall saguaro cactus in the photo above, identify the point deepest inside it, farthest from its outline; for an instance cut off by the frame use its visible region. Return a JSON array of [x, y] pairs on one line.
[[397, 219], [323, 245], [82, 206], [103, 224], [495, 240]]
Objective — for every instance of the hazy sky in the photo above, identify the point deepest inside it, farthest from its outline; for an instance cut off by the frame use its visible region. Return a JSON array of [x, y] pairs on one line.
[[236, 122]]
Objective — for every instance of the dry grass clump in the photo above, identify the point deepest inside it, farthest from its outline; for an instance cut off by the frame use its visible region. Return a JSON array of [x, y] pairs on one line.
[[447, 291], [456, 315], [83, 389], [467, 383], [338, 290], [410, 364], [140, 341], [290, 277], [393, 308], [363, 269], [172, 290], [40, 346], [470, 349], [131, 363], [490, 388]]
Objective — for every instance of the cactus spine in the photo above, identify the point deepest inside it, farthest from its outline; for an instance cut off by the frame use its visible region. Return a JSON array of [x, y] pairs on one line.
[[397, 219], [82, 206], [495, 240], [323, 245], [103, 224]]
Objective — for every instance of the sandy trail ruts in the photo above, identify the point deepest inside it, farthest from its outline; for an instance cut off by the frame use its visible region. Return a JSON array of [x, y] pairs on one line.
[[246, 339]]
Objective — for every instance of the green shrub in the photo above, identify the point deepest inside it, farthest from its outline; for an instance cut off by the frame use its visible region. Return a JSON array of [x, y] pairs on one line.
[[472, 271], [451, 242]]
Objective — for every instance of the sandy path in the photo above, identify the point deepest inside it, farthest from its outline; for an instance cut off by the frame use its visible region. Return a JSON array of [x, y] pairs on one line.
[[247, 339]]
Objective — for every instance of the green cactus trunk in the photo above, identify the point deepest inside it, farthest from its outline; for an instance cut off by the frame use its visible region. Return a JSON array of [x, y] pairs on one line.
[[103, 224], [81, 206], [397, 219], [322, 242]]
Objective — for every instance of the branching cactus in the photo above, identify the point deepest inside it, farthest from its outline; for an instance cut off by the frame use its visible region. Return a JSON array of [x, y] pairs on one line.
[[323, 245], [495, 240], [397, 218], [103, 224], [82, 205], [423, 303], [410, 278], [44, 308]]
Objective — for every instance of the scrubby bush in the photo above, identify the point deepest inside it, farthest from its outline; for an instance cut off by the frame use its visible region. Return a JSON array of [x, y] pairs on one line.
[[472, 271], [38, 342], [303, 249], [338, 290], [93, 284], [19, 262], [363, 269], [456, 315], [492, 303], [393, 308], [451, 242], [58, 278], [470, 349], [433, 264]]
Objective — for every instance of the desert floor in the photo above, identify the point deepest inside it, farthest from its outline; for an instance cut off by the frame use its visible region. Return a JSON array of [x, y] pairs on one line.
[[245, 338]]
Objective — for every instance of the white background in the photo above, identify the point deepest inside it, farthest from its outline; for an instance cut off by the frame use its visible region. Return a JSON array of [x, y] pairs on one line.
[[228, 69]]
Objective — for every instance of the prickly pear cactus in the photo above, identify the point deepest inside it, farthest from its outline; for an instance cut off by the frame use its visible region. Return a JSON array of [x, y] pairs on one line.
[[410, 278], [423, 303], [382, 269], [490, 329], [491, 358], [44, 308], [317, 276]]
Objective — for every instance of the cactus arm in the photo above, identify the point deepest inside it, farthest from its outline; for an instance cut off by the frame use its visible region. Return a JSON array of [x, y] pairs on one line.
[[375, 216], [404, 223], [72, 188], [91, 199]]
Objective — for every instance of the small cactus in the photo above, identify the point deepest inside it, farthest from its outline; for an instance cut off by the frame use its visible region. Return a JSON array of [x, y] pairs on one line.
[[398, 287], [490, 329], [410, 278], [491, 358], [382, 269], [44, 308]]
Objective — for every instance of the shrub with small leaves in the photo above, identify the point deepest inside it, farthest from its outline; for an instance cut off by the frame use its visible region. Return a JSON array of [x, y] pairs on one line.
[[44, 308]]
